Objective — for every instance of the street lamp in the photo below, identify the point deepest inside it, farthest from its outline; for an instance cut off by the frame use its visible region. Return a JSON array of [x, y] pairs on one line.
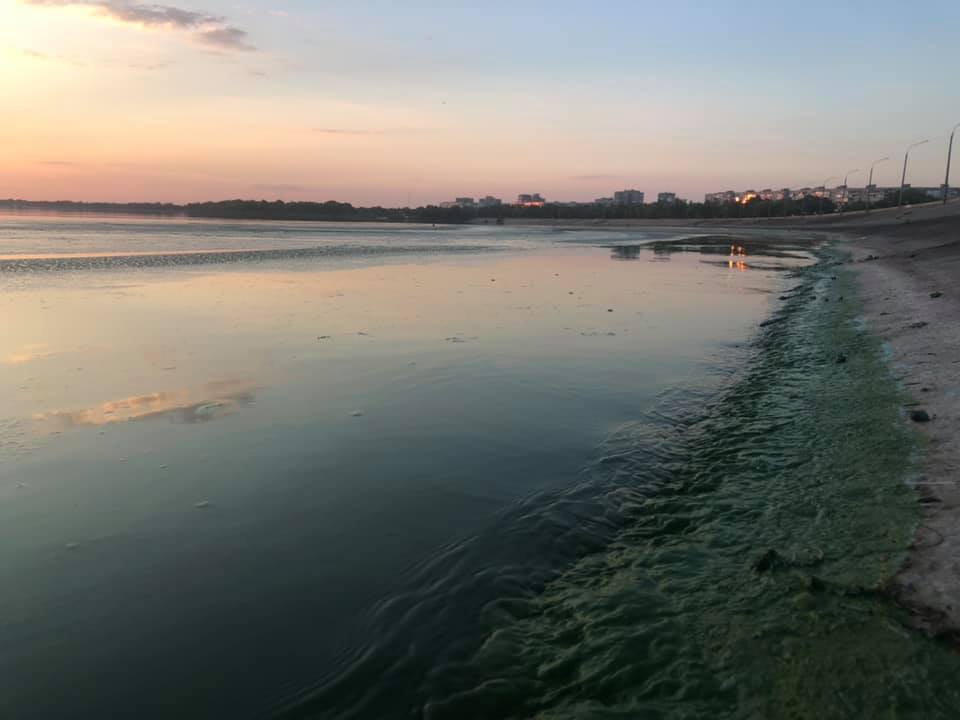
[[823, 191], [903, 177], [843, 198], [946, 180], [870, 181]]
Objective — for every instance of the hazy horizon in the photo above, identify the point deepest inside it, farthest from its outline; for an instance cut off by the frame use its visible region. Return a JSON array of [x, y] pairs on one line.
[[120, 101]]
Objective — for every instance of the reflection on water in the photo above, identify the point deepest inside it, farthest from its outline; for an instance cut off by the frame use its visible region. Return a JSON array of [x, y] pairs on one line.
[[404, 414], [626, 252], [29, 353], [196, 405]]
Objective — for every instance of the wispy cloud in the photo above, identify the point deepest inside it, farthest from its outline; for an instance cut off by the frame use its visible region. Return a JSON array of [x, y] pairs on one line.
[[592, 178], [149, 67], [359, 132], [211, 30], [282, 187], [346, 131], [36, 55], [56, 163]]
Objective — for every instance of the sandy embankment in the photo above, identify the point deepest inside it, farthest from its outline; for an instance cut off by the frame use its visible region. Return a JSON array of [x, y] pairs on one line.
[[918, 256]]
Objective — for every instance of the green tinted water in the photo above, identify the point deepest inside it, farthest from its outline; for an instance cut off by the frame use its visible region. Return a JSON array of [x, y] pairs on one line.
[[751, 583]]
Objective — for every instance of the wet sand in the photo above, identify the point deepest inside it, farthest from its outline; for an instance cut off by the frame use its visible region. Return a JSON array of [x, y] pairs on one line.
[[903, 262]]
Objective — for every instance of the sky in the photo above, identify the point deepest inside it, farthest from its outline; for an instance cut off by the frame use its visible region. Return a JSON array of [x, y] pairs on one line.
[[390, 102]]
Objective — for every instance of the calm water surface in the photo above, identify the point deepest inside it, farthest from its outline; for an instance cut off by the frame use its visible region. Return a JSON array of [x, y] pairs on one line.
[[250, 469]]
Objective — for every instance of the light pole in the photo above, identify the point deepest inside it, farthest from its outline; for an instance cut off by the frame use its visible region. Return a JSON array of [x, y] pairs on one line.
[[843, 198], [823, 191], [946, 179], [903, 177], [870, 181]]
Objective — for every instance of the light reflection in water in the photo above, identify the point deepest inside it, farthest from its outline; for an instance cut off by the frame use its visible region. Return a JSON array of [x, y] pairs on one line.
[[737, 253], [195, 405], [29, 353]]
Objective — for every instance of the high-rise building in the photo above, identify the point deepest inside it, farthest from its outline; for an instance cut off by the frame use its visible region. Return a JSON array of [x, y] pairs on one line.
[[490, 201], [666, 197], [628, 197]]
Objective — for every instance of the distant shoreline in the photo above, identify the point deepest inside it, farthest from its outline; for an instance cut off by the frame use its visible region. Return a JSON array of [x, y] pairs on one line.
[[332, 211], [244, 210]]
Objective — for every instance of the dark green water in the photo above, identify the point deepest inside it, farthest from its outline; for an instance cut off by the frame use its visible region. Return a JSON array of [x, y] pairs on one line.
[[725, 560]]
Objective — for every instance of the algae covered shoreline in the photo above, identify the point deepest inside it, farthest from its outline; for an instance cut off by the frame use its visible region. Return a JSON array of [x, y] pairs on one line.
[[732, 562]]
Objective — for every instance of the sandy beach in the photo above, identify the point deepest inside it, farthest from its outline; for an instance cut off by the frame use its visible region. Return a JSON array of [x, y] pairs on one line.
[[909, 267]]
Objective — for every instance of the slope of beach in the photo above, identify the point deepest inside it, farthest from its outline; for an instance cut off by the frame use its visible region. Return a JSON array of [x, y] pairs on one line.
[[908, 265], [909, 268]]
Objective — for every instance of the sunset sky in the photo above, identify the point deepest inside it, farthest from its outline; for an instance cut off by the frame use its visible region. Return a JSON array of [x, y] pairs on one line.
[[382, 101]]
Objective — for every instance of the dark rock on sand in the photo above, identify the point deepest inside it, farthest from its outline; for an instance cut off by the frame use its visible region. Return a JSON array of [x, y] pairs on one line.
[[919, 416]]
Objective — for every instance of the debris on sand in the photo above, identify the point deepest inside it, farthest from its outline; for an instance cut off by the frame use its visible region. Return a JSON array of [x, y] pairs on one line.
[[356, 413], [203, 504], [936, 294], [920, 416], [919, 324]]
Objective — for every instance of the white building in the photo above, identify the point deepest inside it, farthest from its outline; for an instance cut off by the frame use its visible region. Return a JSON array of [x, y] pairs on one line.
[[721, 197], [628, 197]]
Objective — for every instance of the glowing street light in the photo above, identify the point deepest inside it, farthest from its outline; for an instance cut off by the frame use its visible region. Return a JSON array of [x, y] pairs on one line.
[[870, 181], [946, 179], [903, 177], [823, 191]]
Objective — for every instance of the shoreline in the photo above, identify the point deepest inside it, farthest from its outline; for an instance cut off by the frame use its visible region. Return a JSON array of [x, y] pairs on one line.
[[900, 269], [907, 266]]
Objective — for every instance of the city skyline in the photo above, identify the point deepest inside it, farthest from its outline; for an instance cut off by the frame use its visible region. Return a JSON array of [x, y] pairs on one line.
[[114, 100]]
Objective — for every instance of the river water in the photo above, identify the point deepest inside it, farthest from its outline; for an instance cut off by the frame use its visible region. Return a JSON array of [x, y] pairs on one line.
[[373, 471]]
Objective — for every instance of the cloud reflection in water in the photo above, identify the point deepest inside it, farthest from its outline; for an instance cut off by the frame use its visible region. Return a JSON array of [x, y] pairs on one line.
[[196, 405]]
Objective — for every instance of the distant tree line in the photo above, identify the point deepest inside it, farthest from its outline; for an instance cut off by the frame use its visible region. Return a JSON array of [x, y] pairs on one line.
[[345, 212], [254, 210]]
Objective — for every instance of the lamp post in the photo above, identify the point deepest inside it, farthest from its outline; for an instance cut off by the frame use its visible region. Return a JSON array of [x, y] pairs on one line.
[[870, 181], [823, 191], [843, 198], [946, 179], [903, 177]]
